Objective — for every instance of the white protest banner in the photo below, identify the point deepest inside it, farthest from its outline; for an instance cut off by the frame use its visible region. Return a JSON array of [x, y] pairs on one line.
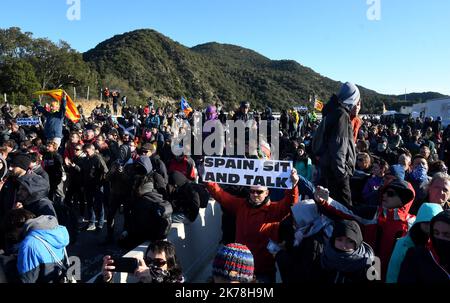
[[248, 172], [28, 121]]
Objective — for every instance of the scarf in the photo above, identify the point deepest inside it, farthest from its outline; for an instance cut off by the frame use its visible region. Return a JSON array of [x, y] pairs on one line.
[[347, 262], [419, 174]]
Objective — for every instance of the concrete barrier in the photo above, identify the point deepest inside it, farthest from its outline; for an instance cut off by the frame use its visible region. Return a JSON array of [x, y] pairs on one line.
[[196, 244]]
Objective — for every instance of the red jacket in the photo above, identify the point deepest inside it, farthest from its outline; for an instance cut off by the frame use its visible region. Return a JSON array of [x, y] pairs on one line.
[[186, 167], [356, 125], [253, 225]]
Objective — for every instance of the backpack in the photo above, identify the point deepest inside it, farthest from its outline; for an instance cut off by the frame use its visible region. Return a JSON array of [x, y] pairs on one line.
[[318, 144], [152, 217]]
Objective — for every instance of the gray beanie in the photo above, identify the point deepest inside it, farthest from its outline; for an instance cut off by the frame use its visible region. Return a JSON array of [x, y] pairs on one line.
[[349, 94]]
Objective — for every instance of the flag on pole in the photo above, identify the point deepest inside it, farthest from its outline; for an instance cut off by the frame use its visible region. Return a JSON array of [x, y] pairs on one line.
[[71, 110], [185, 107], [318, 105]]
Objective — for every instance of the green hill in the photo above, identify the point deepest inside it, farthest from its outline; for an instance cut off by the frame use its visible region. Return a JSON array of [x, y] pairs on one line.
[[153, 64]]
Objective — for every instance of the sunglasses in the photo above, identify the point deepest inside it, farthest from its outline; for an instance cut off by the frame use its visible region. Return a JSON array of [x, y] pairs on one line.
[[156, 262], [258, 192], [391, 193], [78, 149]]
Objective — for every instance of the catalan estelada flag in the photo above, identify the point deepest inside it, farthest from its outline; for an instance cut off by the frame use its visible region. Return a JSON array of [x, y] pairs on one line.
[[185, 107], [71, 110], [318, 105]]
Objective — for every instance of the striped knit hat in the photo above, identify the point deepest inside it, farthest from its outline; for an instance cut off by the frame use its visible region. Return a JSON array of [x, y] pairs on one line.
[[234, 262]]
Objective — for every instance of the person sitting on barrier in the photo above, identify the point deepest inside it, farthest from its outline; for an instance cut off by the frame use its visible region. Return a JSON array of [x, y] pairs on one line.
[[255, 217], [233, 264], [160, 265]]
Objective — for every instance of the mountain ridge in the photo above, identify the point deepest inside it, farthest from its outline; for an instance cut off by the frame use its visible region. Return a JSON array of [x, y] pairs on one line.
[[153, 64]]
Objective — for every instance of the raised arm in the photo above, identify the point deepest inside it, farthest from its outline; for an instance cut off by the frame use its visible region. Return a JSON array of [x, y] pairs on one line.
[[62, 108], [290, 197], [229, 202]]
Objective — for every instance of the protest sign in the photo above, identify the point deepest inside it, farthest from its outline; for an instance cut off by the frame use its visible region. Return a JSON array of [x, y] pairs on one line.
[[28, 121], [248, 172]]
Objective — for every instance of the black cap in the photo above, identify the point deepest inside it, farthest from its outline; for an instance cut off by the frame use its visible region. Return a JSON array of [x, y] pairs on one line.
[[403, 189], [21, 160]]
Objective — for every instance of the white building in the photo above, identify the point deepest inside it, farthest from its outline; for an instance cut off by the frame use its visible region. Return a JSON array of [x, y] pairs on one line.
[[434, 108]]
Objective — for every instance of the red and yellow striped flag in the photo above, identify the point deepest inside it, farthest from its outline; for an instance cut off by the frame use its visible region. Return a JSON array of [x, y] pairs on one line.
[[318, 105], [71, 110]]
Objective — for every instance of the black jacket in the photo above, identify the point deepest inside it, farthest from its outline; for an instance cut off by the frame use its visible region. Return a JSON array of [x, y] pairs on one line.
[[94, 171], [53, 165], [340, 155], [160, 167], [420, 267], [75, 175], [301, 263], [151, 214], [183, 196], [39, 170]]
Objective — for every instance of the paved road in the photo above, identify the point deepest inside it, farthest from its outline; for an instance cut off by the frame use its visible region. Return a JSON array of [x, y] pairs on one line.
[[90, 249]]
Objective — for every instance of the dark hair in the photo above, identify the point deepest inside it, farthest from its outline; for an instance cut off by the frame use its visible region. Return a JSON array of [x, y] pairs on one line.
[[168, 248], [424, 145], [417, 157], [88, 146], [14, 220], [9, 143], [34, 157], [437, 167], [382, 163]]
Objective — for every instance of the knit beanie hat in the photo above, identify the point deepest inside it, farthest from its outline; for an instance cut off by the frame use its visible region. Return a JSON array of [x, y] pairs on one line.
[[349, 94], [21, 160], [234, 262]]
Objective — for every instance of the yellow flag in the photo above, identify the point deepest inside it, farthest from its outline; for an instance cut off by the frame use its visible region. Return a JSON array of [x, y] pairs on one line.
[[318, 105], [71, 110]]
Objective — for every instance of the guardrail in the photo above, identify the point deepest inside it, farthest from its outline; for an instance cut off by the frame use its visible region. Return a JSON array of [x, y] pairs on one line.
[[196, 244]]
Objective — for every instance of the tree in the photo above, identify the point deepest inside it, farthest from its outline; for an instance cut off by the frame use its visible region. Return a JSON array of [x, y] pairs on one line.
[[18, 80]]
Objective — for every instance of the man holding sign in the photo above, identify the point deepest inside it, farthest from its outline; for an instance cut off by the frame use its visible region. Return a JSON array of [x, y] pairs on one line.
[[257, 219]]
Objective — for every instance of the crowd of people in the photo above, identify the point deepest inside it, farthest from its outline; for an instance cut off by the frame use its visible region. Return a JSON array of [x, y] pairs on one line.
[[364, 189]]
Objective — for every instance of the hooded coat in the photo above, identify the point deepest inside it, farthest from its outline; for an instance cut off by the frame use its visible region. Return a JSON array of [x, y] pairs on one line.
[[428, 264], [346, 267], [339, 158], [37, 201], [35, 263], [150, 212], [426, 212]]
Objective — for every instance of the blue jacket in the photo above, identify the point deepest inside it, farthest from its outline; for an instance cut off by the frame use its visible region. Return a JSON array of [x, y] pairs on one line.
[[35, 263], [152, 121], [426, 212], [54, 121]]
